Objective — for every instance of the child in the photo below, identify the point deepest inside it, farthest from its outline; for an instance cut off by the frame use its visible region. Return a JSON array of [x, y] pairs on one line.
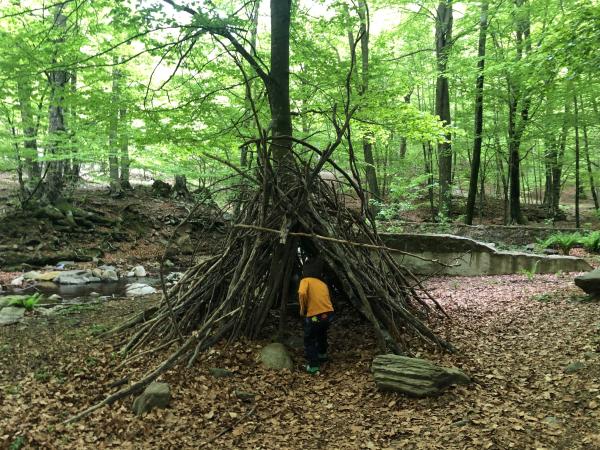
[[316, 307]]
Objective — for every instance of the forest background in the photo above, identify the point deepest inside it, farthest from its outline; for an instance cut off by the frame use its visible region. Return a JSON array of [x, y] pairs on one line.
[[460, 103]]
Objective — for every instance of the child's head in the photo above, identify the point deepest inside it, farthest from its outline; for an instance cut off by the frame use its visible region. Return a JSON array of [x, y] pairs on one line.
[[313, 268]]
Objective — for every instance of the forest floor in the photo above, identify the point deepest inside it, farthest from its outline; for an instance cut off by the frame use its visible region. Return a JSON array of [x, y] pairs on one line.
[[515, 337]]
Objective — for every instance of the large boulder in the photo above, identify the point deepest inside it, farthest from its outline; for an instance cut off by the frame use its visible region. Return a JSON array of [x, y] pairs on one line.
[[589, 282], [413, 376], [138, 289], [11, 314], [156, 395], [76, 277], [275, 356]]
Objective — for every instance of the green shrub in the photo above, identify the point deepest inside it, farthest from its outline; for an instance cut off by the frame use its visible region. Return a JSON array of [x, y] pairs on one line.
[[29, 303], [591, 242], [563, 241]]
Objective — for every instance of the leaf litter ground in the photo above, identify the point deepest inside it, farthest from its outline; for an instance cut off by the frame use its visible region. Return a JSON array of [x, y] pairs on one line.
[[515, 337]]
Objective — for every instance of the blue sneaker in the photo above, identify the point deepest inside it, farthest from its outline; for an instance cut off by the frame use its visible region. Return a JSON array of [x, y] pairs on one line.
[[313, 370]]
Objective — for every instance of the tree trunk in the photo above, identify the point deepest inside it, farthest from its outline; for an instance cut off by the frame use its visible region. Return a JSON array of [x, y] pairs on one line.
[[28, 125], [180, 189], [586, 149], [56, 121], [124, 142], [279, 81], [517, 119], [577, 178], [476, 160], [371, 170], [557, 165], [403, 142], [443, 43], [113, 142]]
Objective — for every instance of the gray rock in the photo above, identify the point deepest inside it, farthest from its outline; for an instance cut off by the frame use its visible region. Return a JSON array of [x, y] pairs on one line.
[[552, 421], [156, 395], [109, 275], [97, 272], [138, 289], [174, 277], [17, 281], [574, 367], [413, 376], [65, 264], [11, 314], [244, 396], [52, 311], [275, 356], [94, 294], [76, 277], [589, 282], [220, 373], [550, 251], [31, 275], [139, 271], [530, 247], [55, 297], [295, 342]]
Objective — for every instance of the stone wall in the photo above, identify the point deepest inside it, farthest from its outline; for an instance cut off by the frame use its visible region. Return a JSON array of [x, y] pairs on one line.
[[455, 255], [498, 234]]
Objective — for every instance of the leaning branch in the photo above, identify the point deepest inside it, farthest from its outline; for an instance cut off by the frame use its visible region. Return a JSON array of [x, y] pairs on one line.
[[342, 241]]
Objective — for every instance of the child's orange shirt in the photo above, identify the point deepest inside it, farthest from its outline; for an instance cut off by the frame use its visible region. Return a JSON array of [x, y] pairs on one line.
[[314, 297]]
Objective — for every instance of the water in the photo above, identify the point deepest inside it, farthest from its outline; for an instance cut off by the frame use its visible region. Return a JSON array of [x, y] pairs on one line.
[[71, 291]]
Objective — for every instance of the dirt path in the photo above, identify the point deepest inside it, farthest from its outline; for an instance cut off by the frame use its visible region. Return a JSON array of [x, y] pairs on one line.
[[515, 337]]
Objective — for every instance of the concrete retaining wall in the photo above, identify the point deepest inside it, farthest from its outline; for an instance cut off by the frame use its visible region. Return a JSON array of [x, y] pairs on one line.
[[468, 257]]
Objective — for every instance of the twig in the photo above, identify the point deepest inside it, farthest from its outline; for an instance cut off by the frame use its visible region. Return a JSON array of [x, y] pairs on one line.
[[228, 428]]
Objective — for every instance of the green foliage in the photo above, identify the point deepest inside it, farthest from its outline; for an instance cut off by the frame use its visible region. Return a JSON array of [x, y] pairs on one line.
[[563, 241], [42, 375], [17, 444], [566, 241], [530, 274], [591, 242], [29, 303], [405, 195], [544, 298]]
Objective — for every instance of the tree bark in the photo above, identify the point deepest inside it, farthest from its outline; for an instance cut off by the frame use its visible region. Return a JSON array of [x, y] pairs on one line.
[[371, 170], [577, 178], [518, 116], [28, 125], [443, 43], [476, 160], [586, 149], [124, 143], [279, 81], [57, 78], [403, 142], [113, 143]]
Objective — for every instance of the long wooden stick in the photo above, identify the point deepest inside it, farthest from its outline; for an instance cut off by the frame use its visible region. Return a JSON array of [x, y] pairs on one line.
[[342, 241]]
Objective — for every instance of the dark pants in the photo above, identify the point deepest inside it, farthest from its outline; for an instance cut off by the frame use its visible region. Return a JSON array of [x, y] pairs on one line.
[[315, 337]]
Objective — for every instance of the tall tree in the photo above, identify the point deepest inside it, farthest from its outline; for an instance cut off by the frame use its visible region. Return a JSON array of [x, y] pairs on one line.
[[58, 78], [518, 112], [443, 45], [476, 159], [371, 171]]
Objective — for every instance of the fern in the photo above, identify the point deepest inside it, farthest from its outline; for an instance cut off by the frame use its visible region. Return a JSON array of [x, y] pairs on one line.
[[29, 303]]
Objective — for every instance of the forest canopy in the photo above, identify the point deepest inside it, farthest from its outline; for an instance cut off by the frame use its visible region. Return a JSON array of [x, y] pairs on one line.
[[95, 90]]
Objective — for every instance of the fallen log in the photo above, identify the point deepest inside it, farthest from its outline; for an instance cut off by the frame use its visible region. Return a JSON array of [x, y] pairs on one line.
[[413, 376]]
